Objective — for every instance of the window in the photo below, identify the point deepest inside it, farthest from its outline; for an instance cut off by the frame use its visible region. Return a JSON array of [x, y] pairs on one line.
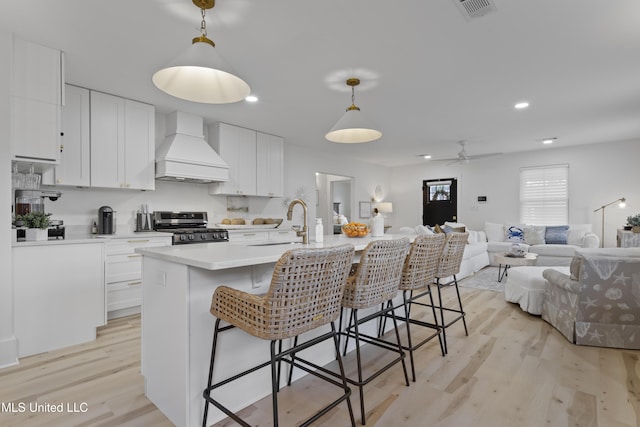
[[544, 195]]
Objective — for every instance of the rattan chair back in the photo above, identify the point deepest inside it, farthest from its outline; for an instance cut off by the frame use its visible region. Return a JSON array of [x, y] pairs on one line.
[[305, 293], [452, 254], [378, 274], [421, 264]]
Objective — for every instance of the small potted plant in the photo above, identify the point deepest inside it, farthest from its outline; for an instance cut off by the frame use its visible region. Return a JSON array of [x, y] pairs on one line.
[[36, 223], [634, 223]]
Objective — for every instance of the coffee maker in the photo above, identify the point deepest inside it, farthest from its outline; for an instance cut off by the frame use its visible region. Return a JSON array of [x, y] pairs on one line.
[[106, 220]]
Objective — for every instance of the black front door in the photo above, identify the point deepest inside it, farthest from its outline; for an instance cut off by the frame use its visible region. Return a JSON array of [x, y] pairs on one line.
[[439, 201]]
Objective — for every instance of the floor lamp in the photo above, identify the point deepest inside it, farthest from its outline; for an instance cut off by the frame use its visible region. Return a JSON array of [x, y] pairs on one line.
[[622, 201]]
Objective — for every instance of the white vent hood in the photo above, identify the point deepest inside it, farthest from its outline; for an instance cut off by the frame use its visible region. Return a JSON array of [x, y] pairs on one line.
[[185, 156]]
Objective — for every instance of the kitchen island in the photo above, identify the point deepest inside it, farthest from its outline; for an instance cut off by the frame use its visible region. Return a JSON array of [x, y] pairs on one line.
[[177, 328]]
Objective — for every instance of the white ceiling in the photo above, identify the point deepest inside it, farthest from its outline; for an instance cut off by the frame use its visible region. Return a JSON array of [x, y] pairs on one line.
[[429, 77]]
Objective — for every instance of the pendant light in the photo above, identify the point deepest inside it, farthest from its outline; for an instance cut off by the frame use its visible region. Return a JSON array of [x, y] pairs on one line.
[[353, 126], [200, 74]]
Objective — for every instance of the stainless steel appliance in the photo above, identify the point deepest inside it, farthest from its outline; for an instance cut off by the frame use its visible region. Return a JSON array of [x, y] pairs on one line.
[[106, 220], [188, 227]]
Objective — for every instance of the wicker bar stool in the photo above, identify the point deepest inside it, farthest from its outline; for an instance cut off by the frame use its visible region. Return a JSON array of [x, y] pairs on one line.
[[419, 272], [375, 281], [450, 266], [305, 293]]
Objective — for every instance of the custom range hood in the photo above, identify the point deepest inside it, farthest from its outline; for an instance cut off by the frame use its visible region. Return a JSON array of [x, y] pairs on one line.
[[185, 156]]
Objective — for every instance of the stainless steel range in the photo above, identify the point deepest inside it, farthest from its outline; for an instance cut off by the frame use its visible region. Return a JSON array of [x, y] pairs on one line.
[[188, 227]]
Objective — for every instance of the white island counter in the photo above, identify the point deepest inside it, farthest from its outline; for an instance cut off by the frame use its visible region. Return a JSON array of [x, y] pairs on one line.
[[177, 328]]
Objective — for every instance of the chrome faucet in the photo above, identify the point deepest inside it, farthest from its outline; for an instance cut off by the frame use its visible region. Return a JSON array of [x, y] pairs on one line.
[[304, 232]]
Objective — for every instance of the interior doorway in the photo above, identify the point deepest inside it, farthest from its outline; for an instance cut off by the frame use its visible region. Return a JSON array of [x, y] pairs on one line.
[[439, 201], [334, 195]]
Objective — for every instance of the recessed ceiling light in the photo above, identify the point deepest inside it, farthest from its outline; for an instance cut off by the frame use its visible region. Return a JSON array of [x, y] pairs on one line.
[[549, 140], [425, 156], [251, 98], [521, 105]]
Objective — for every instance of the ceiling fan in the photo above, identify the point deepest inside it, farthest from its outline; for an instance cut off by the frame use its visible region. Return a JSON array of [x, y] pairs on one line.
[[464, 157]]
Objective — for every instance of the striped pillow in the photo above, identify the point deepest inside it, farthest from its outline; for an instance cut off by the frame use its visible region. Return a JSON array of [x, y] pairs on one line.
[[557, 235]]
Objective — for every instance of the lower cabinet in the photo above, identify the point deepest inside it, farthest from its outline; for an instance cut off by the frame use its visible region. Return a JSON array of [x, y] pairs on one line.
[[58, 295], [123, 273], [262, 235]]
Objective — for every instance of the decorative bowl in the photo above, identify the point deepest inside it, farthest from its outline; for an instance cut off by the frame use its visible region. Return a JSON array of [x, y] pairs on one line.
[[355, 229]]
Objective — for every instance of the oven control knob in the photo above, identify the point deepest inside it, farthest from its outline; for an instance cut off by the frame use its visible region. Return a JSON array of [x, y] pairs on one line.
[[183, 237], [203, 237], [191, 237]]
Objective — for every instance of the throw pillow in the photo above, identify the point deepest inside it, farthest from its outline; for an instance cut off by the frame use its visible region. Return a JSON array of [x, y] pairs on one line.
[[494, 232], [556, 235], [534, 234], [456, 225], [423, 229], [513, 234], [437, 229]]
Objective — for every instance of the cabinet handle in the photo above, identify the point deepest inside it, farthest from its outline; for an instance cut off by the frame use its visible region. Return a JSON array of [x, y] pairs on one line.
[[137, 282], [134, 256], [138, 241], [249, 234]]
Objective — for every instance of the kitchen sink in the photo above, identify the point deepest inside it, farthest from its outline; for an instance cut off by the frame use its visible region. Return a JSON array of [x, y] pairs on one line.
[[273, 243]]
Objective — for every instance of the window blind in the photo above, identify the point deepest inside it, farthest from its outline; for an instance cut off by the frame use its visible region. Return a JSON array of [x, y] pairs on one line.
[[544, 195]]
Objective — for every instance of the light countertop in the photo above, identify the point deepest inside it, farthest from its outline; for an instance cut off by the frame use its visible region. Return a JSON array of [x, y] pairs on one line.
[[222, 255]]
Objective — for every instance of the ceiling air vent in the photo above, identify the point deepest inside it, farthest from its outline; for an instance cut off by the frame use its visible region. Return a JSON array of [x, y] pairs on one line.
[[472, 9]]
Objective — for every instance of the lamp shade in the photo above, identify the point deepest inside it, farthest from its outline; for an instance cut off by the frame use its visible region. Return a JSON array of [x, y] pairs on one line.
[[353, 127], [385, 207], [200, 74]]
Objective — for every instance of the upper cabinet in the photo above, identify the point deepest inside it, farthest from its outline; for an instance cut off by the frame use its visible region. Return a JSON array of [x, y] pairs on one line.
[[122, 143], [270, 165], [74, 166], [37, 98], [255, 161]]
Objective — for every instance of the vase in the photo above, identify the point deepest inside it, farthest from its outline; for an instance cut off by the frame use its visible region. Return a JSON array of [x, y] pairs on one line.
[[636, 228], [31, 234]]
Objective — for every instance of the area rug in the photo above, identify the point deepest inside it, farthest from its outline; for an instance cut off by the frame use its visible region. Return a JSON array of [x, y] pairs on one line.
[[486, 279]]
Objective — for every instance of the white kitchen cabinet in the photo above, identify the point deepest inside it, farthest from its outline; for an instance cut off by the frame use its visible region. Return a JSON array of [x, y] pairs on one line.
[[248, 236], [74, 166], [283, 236], [270, 165], [36, 101], [255, 161], [122, 143], [58, 295], [123, 272], [237, 146], [262, 235]]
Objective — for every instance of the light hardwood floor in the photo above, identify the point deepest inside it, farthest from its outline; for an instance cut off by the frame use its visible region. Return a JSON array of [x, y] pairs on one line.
[[512, 370]]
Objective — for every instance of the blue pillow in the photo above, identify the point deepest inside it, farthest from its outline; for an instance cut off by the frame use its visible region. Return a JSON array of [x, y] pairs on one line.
[[556, 235]]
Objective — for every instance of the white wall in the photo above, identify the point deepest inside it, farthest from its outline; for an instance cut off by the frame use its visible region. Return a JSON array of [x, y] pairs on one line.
[[8, 350], [598, 174]]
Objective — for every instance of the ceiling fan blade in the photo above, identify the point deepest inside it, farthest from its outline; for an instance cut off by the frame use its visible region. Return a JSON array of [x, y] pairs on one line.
[[480, 156]]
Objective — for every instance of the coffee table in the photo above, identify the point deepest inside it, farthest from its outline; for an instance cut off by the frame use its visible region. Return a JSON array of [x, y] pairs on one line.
[[510, 261]]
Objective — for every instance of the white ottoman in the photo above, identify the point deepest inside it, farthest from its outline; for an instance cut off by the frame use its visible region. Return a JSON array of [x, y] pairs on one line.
[[526, 286]]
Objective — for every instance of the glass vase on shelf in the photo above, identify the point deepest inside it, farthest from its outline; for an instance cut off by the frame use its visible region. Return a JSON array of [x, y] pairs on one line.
[[17, 178]]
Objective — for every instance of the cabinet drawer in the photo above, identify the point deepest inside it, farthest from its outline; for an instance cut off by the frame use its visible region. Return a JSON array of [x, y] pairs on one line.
[[248, 236], [283, 236], [121, 268], [128, 246], [124, 295]]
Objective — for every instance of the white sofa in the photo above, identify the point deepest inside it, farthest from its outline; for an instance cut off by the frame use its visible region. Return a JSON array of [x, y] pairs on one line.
[[475, 255], [549, 254]]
